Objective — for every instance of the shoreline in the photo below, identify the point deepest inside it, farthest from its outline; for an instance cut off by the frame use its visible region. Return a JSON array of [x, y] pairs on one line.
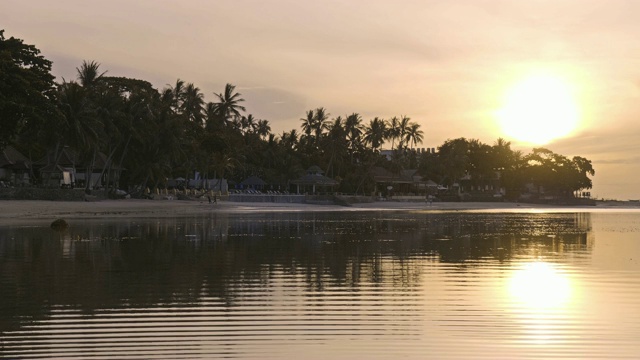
[[20, 211]]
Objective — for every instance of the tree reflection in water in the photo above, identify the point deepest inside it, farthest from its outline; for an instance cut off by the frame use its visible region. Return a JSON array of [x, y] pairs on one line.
[[140, 263]]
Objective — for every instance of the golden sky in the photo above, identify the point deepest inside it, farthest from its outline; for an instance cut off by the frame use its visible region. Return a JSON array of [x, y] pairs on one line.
[[446, 64]]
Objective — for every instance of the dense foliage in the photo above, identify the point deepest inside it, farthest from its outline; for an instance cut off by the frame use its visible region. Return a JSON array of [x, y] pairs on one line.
[[155, 135], [26, 88]]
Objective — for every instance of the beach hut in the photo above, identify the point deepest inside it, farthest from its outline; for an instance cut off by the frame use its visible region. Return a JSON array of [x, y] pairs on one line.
[[253, 182], [87, 170], [58, 176], [405, 181], [14, 167], [314, 180]]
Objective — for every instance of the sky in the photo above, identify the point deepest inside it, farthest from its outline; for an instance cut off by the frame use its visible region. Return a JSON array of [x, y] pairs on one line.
[[447, 64]]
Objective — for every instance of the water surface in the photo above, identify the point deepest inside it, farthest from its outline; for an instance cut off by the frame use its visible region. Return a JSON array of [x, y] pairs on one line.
[[344, 285]]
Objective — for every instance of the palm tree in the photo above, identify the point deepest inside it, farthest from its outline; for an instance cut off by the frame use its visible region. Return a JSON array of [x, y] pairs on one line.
[[225, 162], [248, 124], [90, 102], [289, 140], [228, 106], [82, 126], [393, 130], [501, 154], [336, 142], [354, 128], [211, 119], [137, 108], [307, 123], [263, 129], [337, 127], [178, 92], [320, 123], [414, 135], [193, 105], [313, 126], [307, 140], [375, 133], [166, 97], [403, 127], [89, 73], [235, 123]]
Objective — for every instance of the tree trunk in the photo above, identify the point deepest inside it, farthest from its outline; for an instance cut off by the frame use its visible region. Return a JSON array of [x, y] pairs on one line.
[[55, 165], [89, 170]]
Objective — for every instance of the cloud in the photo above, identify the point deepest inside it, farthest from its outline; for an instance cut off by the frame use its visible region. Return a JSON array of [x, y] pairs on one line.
[[279, 106]]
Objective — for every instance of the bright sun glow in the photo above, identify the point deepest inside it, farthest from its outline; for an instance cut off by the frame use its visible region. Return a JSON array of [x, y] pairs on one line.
[[538, 109], [540, 286]]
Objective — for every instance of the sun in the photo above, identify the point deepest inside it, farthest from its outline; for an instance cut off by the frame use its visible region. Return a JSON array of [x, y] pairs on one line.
[[538, 109]]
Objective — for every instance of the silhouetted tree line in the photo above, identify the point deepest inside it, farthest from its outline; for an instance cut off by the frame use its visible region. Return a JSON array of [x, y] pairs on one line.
[[161, 134]]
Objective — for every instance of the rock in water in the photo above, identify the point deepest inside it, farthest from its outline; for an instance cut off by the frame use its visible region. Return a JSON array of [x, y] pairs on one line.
[[59, 225]]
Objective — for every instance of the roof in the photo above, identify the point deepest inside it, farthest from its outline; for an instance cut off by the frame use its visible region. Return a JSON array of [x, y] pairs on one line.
[[408, 176], [66, 157], [315, 169], [69, 158], [431, 183], [315, 179], [54, 169], [10, 157], [202, 183], [253, 181]]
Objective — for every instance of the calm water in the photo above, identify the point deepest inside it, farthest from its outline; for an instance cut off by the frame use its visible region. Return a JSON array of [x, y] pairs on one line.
[[348, 285]]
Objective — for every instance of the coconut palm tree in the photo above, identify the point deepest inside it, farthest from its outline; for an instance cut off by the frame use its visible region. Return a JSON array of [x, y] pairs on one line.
[[403, 128], [413, 134], [289, 140], [225, 162], [393, 130], [248, 124], [211, 118], [178, 92], [228, 106], [501, 155], [80, 125], [89, 73], [320, 123], [193, 105], [307, 123], [263, 129], [307, 140], [336, 142], [354, 128], [375, 133]]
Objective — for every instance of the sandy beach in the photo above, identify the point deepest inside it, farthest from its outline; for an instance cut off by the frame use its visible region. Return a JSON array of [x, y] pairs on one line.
[[14, 211]]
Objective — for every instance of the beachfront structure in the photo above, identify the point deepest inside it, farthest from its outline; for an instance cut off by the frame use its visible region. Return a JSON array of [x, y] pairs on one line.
[[314, 181], [389, 154], [68, 169], [218, 185], [14, 167], [407, 182], [481, 189], [253, 182]]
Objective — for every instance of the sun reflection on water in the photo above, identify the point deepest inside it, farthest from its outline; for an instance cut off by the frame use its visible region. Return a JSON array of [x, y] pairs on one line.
[[541, 295], [539, 286]]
